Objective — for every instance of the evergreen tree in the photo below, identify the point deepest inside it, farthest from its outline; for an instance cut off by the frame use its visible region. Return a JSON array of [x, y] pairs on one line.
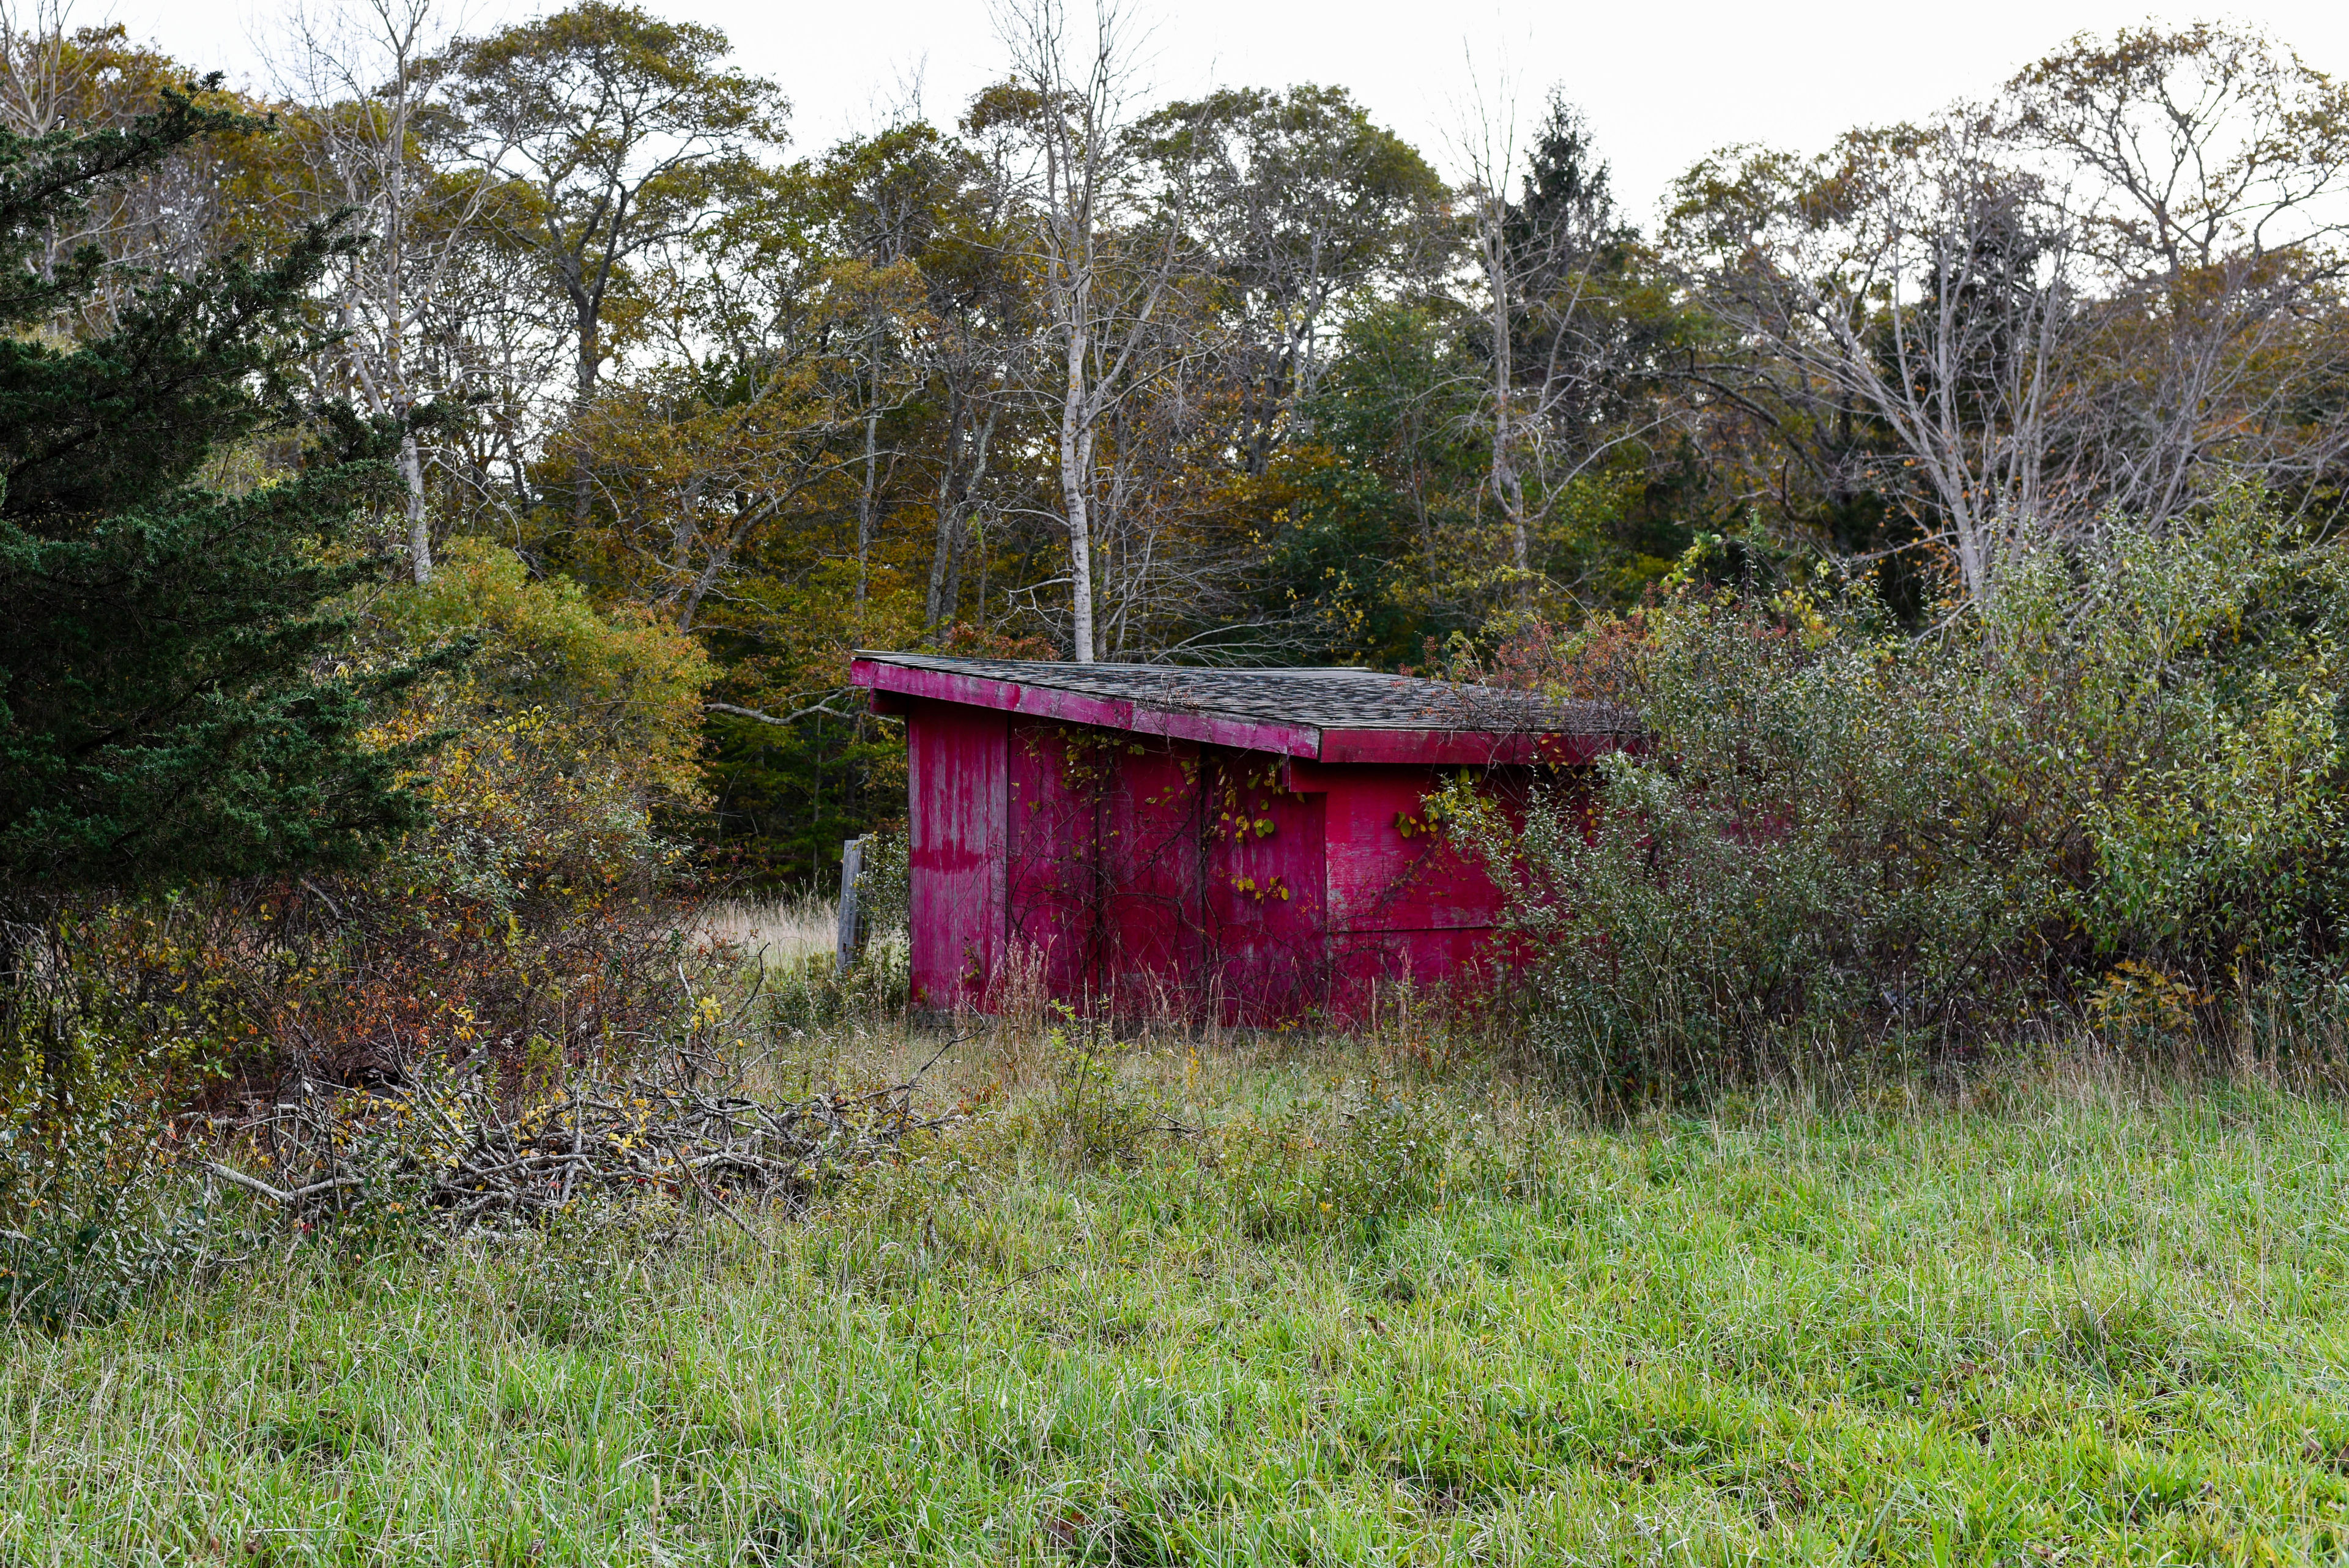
[[167, 704]]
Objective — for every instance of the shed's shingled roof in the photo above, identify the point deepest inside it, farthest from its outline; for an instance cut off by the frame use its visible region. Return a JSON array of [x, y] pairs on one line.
[[1323, 697]]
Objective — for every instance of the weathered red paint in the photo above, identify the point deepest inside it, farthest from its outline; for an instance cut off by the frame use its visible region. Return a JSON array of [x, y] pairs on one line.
[[1187, 863], [1265, 914], [956, 786], [1102, 858]]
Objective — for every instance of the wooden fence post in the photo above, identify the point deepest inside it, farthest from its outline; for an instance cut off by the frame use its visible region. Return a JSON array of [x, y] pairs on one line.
[[852, 871]]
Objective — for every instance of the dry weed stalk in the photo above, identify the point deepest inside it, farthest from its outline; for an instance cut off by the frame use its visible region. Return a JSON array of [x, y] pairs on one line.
[[1020, 1000]]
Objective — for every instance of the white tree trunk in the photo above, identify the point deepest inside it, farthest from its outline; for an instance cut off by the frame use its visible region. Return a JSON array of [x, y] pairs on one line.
[[420, 528], [1076, 493]]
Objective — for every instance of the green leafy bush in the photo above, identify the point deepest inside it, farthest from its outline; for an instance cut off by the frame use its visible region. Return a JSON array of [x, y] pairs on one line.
[[563, 741], [2170, 717], [2122, 779], [98, 1237], [886, 888], [808, 991]]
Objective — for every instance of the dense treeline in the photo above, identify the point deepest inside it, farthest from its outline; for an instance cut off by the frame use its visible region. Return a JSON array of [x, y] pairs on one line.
[[1243, 378]]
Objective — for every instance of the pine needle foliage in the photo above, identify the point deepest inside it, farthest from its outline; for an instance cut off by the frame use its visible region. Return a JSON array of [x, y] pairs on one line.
[[167, 710]]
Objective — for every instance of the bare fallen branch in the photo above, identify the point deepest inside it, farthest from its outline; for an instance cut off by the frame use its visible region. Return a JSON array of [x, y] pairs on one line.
[[449, 1141], [279, 1195]]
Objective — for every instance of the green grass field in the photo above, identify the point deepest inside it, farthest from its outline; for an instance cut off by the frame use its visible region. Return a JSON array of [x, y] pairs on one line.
[[1335, 1320]]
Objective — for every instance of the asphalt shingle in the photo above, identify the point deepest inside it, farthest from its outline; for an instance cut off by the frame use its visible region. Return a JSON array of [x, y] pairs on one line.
[[1324, 697]]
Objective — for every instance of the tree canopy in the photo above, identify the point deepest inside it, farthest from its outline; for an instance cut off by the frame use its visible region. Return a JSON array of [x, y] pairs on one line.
[[168, 705], [1075, 371]]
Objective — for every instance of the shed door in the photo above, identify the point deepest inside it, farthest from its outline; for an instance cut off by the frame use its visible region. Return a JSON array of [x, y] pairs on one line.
[[1103, 885]]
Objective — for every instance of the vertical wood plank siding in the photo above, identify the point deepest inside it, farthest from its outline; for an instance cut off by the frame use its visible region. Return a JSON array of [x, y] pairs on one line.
[[1238, 862], [955, 794]]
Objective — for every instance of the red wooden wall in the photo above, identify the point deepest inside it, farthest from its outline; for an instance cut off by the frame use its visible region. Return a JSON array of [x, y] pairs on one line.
[[1267, 904], [956, 789], [1403, 902], [1146, 873]]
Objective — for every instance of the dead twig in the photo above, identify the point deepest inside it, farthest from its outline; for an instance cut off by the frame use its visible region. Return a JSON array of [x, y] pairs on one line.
[[450, 1142], [280, 1195]]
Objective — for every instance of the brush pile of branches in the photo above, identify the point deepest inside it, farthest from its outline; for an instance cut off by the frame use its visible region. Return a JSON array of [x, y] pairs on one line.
[[452, 1149]]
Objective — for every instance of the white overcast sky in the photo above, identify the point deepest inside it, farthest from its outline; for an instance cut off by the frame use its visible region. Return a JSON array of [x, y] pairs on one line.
[[1662, 83]]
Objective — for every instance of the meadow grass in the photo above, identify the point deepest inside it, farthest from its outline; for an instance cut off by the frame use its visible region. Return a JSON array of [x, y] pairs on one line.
[[1263, 1305], [779, 929]]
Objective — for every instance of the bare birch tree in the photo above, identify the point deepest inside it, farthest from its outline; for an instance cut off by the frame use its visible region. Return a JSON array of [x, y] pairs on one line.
[[1920, 273], [34, 85], [357, 73], [2208, 169], [2112, 285], [1106, 275], [1562, 368], [1488, 150]]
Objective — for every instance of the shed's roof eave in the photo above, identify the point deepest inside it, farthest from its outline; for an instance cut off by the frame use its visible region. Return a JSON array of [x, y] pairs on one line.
[[1329, 714]]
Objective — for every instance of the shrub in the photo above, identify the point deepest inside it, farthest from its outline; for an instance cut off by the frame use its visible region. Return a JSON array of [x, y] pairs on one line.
[[566, 736], [808, 991], [98, 1238], [1836, 835], [2170, 717], [1094, 1114], [530, 915], [534, 913], [1800, 845], [885, 890]]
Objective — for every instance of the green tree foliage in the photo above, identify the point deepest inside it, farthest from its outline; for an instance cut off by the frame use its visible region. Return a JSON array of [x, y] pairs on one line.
[[573, 747], [616, 132], [1299, 202], [165, 707], [1360, 550]]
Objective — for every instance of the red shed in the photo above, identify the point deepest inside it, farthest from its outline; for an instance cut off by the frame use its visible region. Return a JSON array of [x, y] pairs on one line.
[[1252, 842]]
